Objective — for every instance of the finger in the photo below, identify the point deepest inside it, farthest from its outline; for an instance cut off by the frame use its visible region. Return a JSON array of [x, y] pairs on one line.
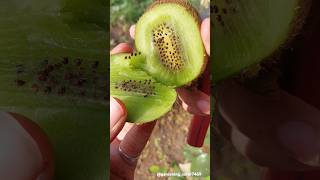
[[132, 31], [25, 150], [118, 115], [136, 139], [121, 48], [274, 174], [278, 120], [119, 166], [194, 101], [205, 34], [124, 131], [261, 153]]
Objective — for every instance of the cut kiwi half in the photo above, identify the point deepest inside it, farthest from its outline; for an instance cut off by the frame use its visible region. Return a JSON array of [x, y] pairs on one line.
[[247, 32], [168, 34], [170, 54], [144, 98], [53, 71]]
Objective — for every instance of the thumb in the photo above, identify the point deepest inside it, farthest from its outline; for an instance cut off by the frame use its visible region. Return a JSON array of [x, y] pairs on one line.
[[205, 33], [118, 115]]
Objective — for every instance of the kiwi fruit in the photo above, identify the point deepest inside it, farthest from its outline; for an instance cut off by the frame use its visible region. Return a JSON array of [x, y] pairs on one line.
[[170, 53], [139, 91], [248, 32], [168, 34], [53, 72]]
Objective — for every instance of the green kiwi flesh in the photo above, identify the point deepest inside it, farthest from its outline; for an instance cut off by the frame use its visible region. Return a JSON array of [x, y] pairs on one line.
[[247, 32], [145, 98], [168, 34], [52, 70]]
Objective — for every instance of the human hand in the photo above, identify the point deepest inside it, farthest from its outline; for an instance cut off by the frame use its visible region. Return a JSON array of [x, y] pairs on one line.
[[25, 149], [127, 140], [280, 130]]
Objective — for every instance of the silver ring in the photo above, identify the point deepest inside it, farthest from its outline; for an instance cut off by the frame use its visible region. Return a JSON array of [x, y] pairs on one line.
[[127, 158]]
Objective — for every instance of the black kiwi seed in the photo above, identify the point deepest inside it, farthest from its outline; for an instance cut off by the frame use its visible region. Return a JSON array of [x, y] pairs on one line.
[[48, 89], [78, 61], [95, 64], [49, 80], [65, 60], [35, 88], [42, 76], [20, 69], [58, 66], [224, 10], [20, 82], [62, 90]]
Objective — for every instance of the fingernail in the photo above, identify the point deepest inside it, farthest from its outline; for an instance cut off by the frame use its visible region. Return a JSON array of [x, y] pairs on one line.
[[205, 32], [302, 141], [117, 113], [204, 106], [132, 31]]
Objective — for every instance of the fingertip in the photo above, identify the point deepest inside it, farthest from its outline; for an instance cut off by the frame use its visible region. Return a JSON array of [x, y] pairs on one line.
[[121, 48], [204, 106], [118, 116], [136, 139], [132, 31], [194, 101], [205, 34]]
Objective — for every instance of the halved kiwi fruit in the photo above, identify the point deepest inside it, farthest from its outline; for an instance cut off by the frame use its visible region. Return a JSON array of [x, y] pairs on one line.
[[53, 71], [171, 54], [145, 98], [246, 32], [168, 34]]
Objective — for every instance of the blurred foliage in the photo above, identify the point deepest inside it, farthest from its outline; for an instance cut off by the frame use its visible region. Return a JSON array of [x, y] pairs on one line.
[[128, 11], [195, 159]]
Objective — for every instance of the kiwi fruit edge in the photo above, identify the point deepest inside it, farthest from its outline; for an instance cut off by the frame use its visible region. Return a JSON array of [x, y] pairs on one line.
[[39, 45], [229, 16]]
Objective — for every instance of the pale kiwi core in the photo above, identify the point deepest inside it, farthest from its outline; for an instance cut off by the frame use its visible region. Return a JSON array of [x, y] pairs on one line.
[[168, 47]]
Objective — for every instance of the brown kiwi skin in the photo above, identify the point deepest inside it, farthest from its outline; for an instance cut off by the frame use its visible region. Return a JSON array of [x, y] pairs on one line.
[[183, 3], [197, 18], [271, 61]]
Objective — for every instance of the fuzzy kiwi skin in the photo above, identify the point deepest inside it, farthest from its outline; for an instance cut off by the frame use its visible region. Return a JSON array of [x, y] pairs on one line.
[[295, 27], [189, 8], [183, 3]]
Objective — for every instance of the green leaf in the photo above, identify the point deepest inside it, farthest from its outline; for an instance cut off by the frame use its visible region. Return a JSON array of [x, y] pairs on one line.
[[190, 152], [157, 169], [201, 164]]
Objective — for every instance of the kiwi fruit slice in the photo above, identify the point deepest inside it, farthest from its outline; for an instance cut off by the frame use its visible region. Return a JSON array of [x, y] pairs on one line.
[[168, 34], [145, 98], [170, 54], [53, 72], [247, 32]]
